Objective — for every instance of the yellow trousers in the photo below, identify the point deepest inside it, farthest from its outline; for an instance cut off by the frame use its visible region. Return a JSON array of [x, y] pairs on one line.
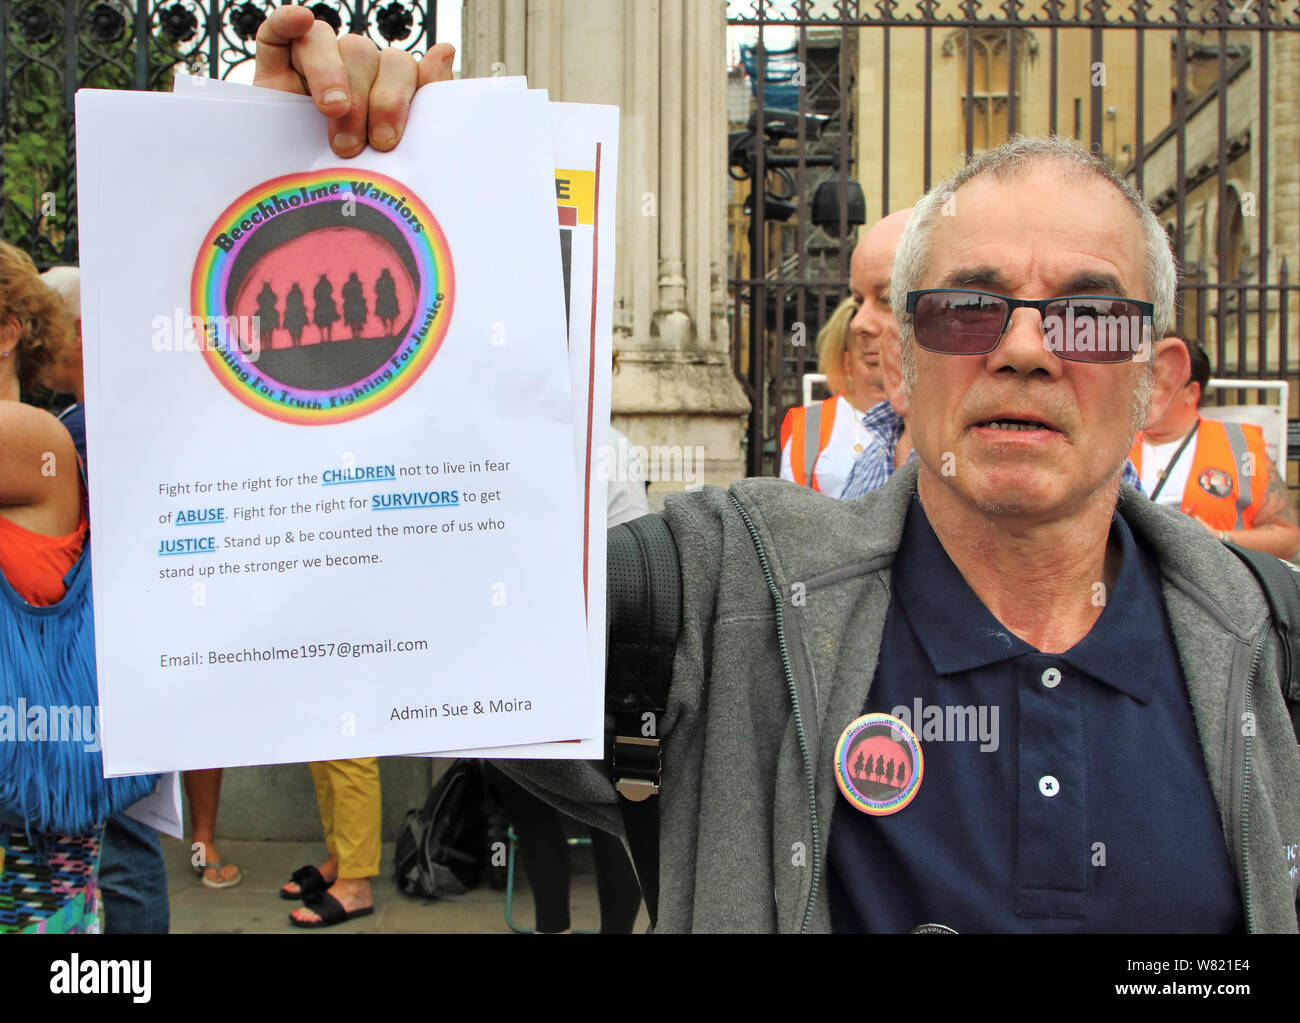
[[347, 792]]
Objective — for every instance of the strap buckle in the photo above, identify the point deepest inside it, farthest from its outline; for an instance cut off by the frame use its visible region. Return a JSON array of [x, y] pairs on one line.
[[637, 767]]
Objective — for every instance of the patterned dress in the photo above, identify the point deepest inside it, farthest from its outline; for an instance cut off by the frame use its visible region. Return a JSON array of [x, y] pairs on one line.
[[48, 884]]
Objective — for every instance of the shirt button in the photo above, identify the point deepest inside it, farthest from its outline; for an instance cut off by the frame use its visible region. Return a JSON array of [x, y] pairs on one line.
[[1051, 678], [1048, 786]]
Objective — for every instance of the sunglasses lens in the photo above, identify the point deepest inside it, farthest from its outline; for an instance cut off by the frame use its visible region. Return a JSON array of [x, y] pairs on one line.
[[1094, 329], [959, 322]]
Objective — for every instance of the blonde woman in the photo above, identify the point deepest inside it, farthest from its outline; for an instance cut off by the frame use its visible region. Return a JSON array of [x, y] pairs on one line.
[[819, 442]]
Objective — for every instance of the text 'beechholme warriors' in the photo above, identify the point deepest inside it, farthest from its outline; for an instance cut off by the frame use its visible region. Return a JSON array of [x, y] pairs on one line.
[[325, 295]]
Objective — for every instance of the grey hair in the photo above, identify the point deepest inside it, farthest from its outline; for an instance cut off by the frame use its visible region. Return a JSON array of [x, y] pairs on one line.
[[1008, 160], [66, 281]]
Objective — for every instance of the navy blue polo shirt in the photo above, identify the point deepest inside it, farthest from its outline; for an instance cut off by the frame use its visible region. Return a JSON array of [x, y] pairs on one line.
[[1059, 792]]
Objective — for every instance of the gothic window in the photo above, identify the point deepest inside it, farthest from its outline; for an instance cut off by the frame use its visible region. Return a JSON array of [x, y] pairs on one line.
[[1238, 251], [987, 106]]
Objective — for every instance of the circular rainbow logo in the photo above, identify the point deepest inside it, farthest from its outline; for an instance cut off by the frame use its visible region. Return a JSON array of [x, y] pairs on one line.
[[878, 764], [322, 296]]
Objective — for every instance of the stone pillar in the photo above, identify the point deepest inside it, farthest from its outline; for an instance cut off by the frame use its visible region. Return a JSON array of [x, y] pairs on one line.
[[663, 63], [1282, 171]]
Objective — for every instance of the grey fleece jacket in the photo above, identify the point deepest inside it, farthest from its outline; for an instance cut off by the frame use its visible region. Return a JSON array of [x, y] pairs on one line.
[[763, 684]]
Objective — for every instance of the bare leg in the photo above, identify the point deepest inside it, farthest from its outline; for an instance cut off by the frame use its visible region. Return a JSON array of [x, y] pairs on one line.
[[204, 791]]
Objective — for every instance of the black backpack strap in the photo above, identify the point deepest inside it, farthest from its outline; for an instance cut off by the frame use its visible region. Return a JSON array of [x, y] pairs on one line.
[[1280, 581], [643, 620]]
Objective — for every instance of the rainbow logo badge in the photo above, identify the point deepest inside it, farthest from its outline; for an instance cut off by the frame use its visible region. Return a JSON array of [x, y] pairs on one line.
[[322, 296], [878, 764]]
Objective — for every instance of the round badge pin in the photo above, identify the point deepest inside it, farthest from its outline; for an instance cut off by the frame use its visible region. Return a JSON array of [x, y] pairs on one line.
[[879, 764], [1216, 482]]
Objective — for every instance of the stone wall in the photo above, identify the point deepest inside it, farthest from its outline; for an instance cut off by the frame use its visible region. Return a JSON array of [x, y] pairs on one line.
[[662, 62]]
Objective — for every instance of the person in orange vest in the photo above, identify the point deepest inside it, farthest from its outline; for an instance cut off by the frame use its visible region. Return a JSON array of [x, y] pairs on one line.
[[820, 442], [820, 435], [1216, 472]]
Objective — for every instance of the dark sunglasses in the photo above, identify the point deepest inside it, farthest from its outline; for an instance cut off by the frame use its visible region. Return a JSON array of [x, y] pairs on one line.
[[1081, 328]]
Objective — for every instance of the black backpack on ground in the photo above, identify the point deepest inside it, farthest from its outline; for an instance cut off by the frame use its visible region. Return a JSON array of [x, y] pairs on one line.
[[443, 847]]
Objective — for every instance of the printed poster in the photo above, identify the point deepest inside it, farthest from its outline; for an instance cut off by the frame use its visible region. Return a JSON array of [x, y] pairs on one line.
[[334, 492], [585, 139]]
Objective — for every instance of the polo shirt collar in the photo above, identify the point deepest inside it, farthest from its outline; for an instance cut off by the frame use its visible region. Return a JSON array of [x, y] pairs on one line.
[[958, 633]]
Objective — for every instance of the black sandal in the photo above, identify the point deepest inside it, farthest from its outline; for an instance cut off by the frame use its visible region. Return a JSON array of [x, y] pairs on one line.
[[330, 911], [310, 882]]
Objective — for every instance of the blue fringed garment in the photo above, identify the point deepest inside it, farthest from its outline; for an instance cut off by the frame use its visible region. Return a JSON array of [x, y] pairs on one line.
[[48, 696]]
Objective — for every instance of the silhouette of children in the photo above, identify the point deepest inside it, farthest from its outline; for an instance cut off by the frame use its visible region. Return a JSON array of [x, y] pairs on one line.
[[268, 318], [386, 307], [354, 305], [295, 314], [325, 312]]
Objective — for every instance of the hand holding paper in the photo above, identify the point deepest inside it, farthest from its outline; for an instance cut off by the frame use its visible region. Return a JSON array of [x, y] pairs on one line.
[[365, 92]]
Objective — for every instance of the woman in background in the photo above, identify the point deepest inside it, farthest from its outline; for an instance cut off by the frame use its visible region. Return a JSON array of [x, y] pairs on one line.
[[819, 442], [47, 881]]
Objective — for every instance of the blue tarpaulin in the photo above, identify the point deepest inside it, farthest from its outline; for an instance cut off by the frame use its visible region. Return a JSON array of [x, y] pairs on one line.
[[780, 92]]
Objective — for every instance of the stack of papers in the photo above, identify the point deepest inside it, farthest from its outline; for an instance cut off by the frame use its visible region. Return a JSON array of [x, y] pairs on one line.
[[341, 419]]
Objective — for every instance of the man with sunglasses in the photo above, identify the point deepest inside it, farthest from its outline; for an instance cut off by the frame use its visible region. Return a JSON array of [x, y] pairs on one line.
[[885, 427], [999, 693], [1026, 364], [1217, 472], [1006, 581]]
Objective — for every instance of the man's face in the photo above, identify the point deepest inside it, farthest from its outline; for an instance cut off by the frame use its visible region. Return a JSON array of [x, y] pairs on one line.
[[1039, 235], [873, 325], [862, 367]]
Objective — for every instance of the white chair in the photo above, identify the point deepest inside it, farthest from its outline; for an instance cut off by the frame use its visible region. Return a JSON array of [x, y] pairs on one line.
[[1271, 418], [809, 379]]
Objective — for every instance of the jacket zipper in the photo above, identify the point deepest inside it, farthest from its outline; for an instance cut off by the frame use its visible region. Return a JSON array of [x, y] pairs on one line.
[[1245, 786], [809, 778]]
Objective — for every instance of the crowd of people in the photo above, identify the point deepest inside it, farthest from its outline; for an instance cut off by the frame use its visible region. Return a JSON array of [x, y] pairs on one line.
[[50, 881], [982, 511]]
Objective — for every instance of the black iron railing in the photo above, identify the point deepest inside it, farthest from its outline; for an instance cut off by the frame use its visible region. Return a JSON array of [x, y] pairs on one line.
[[51, 48], [1237, 293]]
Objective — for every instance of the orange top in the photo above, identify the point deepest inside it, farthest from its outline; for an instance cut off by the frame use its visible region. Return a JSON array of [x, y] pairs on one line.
[[35, 564], [793, 429], [1229, 475]]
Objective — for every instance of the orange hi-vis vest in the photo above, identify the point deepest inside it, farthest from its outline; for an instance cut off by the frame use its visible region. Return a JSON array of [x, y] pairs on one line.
[[808, 428], [1229, 475]]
